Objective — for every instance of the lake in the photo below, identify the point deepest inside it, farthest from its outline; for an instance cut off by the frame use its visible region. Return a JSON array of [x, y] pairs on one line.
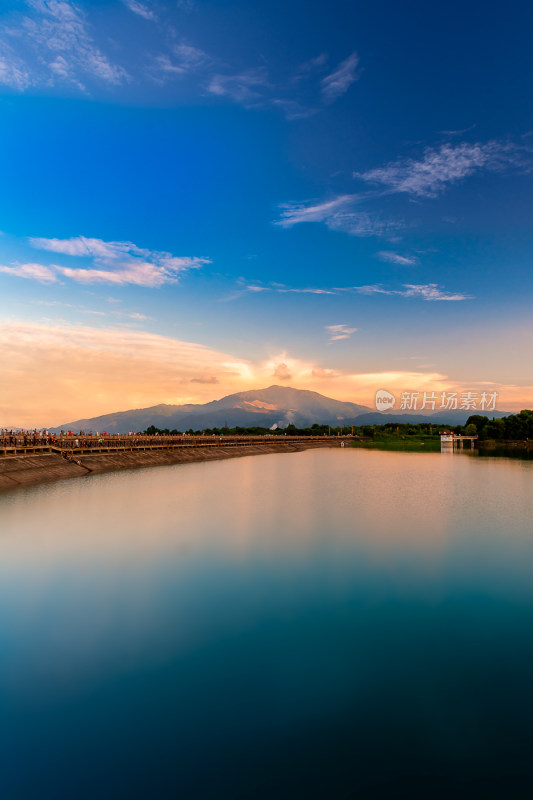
[[333, 623]]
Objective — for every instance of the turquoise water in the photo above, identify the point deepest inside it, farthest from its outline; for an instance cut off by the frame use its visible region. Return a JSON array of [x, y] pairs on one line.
[[326, 624]]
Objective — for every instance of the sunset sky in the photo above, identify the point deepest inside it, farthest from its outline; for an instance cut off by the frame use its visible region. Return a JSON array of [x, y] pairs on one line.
[[204, 197]]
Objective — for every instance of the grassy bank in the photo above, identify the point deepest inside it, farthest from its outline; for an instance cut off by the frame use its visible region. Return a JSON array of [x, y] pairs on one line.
[[415, 444], [490, 447]]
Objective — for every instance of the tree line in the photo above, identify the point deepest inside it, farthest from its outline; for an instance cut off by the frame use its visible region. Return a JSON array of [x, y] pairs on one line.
[[515, 427]]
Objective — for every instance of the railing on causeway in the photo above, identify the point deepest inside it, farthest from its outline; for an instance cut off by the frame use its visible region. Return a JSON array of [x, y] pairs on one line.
[[22, 444]]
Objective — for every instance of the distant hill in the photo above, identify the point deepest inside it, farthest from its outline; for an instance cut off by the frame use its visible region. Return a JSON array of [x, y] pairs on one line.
[[455, 417], [276, 405]]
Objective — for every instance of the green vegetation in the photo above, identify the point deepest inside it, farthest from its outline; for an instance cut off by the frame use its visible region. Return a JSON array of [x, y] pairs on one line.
[[411, 444], [392, 435], [256, 430], [423, 437], [514, 428]]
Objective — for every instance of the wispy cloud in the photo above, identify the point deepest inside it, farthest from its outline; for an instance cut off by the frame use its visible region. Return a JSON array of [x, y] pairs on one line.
[[282, 372], [54, 43], [294, 213], [245, 88], [134, 315], [109, 368], [305, 290], [116, 263], [35, 272], [277, 288], [13, 71], [207, 379], [310, 67], [431, 291], [115, 368], [426, 177], [140, 8], [339, 81], [319, 372], [182, 59], [396, 258], [460, 132], [252, 287], [292, 109], [441, 167], [338, 332], [338, 214], [301, 95], [427, 291]]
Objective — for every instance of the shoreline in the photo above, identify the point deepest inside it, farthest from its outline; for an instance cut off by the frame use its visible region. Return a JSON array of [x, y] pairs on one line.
[[32, 470]]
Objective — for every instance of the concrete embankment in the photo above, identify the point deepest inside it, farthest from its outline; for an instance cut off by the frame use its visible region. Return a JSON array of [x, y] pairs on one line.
[[28, 470]]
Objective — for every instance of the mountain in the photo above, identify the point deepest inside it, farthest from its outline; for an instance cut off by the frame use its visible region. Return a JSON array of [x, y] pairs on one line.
[[276, 405], [455, 417]]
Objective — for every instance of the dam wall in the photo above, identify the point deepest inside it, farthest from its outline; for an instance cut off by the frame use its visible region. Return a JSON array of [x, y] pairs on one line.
[[31, 469]]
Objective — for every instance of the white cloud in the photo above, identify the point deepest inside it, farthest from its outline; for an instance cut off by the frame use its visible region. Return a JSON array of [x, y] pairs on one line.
[[294, 213], [108, 369], [189, 57], [183, 60], [83, 246], [136, 315], [60, 66], [309, 68], [282, 372], [280, 288], [439, 168], [427, 291], [396, 258], [287, 289], [111, 369], [297, 96], [338, 82], [164, 67], [338, 214], [13, 72], [431, 291], [245, 88], [338, 332], [427, 177], [36, 272], [54, 44], [319, 372], [311, 291], [140, 8], [374, 288], [292, 109], [118, 262]]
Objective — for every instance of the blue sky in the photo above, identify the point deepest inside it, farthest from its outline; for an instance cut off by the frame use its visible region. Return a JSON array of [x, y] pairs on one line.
[[202, 197]]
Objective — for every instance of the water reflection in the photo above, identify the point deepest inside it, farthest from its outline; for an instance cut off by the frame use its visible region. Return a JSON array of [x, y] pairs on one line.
[[323, 624]]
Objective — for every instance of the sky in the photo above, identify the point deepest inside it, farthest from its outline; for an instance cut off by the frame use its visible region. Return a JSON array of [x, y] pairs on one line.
[[203, 197]]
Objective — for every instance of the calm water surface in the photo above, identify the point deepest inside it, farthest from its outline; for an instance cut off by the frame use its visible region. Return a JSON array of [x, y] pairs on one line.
[[328, 624]]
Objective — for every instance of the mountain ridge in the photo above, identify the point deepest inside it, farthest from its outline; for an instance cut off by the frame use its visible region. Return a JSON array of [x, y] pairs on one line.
[[272, 406]]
